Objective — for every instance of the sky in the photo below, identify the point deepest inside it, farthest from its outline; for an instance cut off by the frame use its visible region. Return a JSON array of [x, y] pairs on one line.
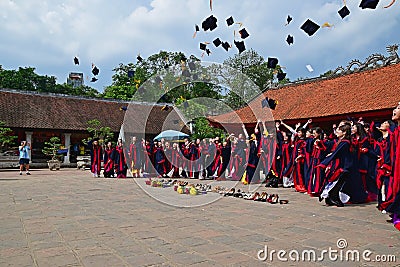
[[48, 34]]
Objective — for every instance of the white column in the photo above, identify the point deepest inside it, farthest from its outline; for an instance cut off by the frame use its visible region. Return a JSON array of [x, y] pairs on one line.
[[67, 145], [29, 140]]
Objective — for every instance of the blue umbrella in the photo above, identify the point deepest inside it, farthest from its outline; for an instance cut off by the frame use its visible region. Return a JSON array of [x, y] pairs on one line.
[[171, 135]]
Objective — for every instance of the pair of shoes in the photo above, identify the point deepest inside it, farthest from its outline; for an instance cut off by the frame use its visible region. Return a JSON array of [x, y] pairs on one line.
[[28, 173], [230, 193], [283, 201], [274, 199], [263, 197], [20, 173]]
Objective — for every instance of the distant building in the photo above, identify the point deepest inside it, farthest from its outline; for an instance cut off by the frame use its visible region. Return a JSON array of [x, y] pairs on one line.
[[75, 79]]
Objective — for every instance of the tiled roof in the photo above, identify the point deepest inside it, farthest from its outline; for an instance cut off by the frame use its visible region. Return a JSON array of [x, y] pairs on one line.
[[20, 109], [365, 91]]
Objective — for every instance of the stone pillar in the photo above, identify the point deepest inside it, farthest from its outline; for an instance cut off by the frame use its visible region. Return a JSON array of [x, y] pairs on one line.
[[29, 141], [67, 145]]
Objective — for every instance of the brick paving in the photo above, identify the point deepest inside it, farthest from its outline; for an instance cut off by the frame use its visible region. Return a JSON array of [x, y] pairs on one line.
[[68, 218]]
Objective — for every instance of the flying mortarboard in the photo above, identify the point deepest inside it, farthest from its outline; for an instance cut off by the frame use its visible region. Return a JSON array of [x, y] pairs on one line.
[[131, 73], [197, 28], [371, 4], [94, 79], [209, 23], [290, 39], [288, 19], [268, 102], [217, 42], [226, 46], [281, 75], [208, 51], [139, 58], [272, 62], [95, 70], [165, 108], [124, 108], [203, 46], [240, 46], [343, 12], [310, 27], [76, 61], [229, 21], [310, 68], [243, 33]]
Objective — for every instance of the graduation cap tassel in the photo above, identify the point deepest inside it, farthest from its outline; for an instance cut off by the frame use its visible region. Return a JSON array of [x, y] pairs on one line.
[[211, 5], [390, 4]]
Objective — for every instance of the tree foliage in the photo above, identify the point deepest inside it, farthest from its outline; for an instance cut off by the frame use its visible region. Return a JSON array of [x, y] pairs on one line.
[[6, 137], [96, 130], [51, 148]]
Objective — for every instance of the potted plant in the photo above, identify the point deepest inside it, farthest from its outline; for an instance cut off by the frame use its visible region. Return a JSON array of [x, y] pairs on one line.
[[51, 149]]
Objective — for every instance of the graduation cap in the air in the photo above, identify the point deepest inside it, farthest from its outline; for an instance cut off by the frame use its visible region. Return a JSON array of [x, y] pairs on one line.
[[229, 21], [226, 46], [310, 27], [290, 39], [192, 66], [343, 12], [165, 108], [281, 75], [243, 33], [371, 4], [131, 73], [288, 19], [139, 58], [208, 51], [94, 79], [203, 46], [76, 61], [209, 23], [272, 62], [95, 70], [217, 42], [240, 46], [268, 102], [124, 108]]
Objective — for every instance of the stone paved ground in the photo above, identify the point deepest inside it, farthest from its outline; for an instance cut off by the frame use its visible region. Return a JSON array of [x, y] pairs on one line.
[[68, 218]]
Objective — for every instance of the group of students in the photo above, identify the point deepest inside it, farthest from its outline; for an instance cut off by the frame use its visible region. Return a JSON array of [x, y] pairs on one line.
[[357, 162]]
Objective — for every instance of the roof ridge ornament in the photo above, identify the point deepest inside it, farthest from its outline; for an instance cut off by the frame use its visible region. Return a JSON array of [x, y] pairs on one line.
[[371, 62]]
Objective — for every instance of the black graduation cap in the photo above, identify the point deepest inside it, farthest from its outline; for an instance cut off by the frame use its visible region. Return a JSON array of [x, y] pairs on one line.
[[268, 102], [185, 104], [95, 70], [217, 42], [94, 79], [240, 46], [208, 52], [371, 4], [139, 58], [209, 23], [288, 19], [196, 27], [343, 12], [281, 75], [76, 61], [229, 21], [192, 66], [203, 46], [165, 108], [124, 108], [243, 33], [290, 39], [186, 73], [183, 57], [226, 45], [272, 62], [310, 27], [131, 73]]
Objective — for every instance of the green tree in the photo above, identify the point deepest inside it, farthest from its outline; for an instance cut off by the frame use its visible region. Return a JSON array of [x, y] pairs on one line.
[[51, 148], [202, 129], [96, 130], [6, 137]]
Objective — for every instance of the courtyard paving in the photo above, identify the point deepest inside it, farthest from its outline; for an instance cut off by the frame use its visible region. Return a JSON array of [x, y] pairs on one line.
[[69, 218]]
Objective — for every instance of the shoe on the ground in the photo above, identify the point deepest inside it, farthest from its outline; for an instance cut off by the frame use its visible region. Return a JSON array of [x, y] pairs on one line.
[[28, 173]]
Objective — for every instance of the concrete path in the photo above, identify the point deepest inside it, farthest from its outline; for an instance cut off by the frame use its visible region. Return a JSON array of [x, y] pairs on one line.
[[69, 218]]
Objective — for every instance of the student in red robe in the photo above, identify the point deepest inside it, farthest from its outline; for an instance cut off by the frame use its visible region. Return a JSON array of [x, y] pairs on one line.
[[120, 164], [96, 156], [392, 203], [109, 155], [134, 157]]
